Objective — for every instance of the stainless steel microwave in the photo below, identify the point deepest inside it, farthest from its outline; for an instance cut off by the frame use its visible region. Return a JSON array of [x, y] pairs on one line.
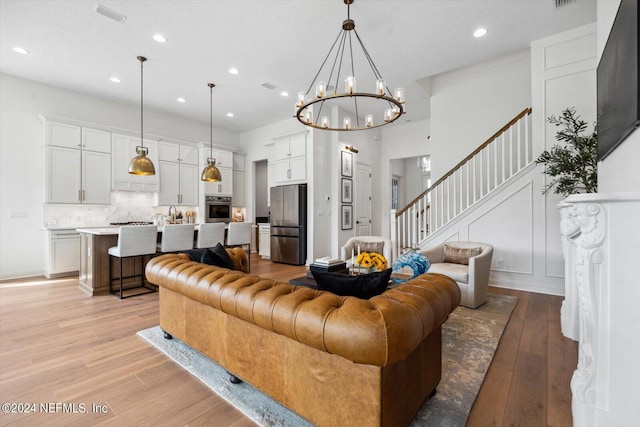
[[217, 209]]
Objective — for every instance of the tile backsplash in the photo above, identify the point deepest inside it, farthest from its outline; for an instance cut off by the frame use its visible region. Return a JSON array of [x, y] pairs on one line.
[[125, 206]]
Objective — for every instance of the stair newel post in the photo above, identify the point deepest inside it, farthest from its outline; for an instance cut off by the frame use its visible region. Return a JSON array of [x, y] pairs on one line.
[[413, 227], [393, 228]]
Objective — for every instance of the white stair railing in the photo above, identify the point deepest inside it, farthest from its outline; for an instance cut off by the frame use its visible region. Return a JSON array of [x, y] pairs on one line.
[[506, 153]]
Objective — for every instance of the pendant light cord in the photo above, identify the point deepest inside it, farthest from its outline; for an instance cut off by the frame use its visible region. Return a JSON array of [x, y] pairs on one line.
[[141, 59], [211, 85]]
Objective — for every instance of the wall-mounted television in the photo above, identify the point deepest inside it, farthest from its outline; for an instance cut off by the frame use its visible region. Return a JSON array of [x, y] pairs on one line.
[[618, 85]]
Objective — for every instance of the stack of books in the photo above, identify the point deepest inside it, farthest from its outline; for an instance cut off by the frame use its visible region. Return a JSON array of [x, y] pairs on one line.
[[326, 264]]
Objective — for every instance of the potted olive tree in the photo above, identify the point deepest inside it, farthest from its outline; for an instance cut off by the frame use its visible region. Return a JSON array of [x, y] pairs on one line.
[[572, 165]]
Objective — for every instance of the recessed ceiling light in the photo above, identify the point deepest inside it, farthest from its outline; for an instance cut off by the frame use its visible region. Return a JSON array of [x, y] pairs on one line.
[[480, 32], [181, 100], [115, 80], [284, 93], [160, 38], [233, 71], [21, 50], [229, 114]]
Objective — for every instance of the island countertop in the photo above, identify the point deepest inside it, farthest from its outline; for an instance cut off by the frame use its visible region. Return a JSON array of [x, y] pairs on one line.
[[113, 230]]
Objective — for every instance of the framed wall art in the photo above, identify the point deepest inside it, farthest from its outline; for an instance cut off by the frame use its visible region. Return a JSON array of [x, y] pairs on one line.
[[347, 217], [346, 164], [347, 190]]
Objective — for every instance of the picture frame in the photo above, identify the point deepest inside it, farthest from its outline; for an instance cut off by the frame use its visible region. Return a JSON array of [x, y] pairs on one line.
[[347, 190], [346, 164], [347, 217]]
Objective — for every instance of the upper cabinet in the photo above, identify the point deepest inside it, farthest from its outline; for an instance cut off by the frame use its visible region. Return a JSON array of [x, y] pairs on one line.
[[224, 163], [178, 170], [238, 198], [290, 159], [124, 149], [77, 164]]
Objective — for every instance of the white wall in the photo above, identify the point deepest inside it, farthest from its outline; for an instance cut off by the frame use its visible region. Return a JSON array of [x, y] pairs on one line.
[[261, 189], [22, 147], [619, 171], [470, 104]]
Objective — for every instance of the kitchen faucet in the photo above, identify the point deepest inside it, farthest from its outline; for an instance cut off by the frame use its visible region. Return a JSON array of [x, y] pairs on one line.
[[173, 217]]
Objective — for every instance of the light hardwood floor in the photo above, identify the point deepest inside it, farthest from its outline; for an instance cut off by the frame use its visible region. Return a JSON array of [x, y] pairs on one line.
[[59, 345]]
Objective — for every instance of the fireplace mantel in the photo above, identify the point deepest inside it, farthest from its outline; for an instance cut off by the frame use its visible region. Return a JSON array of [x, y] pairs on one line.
[[601, 310]]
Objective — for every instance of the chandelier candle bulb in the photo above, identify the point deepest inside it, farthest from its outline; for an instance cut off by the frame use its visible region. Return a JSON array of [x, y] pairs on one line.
[[380, 87], [300, 102], [321, 89], [347, 123], [400, 95], [350, 85], [308, 116], [388, 115], [324, 122], [369, 120]]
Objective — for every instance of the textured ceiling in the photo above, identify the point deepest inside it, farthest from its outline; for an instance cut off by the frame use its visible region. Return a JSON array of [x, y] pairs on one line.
[[281, 42]]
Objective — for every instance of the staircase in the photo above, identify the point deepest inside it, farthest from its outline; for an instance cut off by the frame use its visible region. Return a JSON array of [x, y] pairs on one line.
[[495, 163]]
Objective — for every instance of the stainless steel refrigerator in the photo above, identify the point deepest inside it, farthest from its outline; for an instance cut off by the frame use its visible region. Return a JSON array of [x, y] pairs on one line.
[[289, 224]]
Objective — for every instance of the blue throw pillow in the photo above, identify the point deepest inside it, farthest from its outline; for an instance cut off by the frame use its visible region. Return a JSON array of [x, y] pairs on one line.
[[217, 256], [362, 286]]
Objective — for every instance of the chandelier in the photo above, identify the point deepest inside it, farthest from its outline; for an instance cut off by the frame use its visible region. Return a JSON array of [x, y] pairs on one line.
[[326, 91]]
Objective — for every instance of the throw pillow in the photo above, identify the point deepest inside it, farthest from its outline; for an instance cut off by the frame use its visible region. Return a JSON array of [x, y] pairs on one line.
[[217, 256], [363, 286], [195, 254], [369, 246], [459, 255]]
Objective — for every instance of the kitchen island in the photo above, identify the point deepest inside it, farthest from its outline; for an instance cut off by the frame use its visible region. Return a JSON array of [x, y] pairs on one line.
[[95, 260]]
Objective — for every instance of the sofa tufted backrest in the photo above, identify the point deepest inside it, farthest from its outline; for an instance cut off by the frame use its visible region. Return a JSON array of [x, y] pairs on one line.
[[378, 331]]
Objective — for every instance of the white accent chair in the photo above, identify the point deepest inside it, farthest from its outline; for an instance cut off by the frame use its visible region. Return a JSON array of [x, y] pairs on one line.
[[352, 245], [210, 235], [176, 237], [133, 241], [473, 278], [239, 234]]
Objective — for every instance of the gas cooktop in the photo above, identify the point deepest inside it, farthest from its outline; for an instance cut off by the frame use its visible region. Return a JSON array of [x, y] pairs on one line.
[[132, 223]]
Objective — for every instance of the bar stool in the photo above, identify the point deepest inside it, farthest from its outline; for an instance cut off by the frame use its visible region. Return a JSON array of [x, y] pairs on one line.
[[210, 235], [239, 234], [176, 237], [133, 241]]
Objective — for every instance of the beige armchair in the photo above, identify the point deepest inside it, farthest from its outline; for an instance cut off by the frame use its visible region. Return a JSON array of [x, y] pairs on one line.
[[367, 244], [449, 258]]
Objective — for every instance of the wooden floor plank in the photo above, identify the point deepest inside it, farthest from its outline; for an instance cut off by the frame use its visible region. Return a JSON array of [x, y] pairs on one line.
[[57, 343]]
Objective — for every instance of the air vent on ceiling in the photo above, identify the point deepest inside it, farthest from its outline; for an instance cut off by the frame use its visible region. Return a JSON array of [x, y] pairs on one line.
[[268, 85], [111, 14], [560, 3]]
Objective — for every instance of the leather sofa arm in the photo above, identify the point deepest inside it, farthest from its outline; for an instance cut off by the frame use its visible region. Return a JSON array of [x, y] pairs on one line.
[[378, 331]]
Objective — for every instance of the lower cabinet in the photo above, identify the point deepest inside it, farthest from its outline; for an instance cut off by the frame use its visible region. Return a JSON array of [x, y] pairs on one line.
[[62, 253]]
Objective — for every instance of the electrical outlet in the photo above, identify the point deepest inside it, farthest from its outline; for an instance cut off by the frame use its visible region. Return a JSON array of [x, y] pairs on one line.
[[499, 263]]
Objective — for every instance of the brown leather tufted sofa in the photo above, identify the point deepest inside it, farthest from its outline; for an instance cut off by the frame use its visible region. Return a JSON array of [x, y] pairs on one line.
[[333, 360]]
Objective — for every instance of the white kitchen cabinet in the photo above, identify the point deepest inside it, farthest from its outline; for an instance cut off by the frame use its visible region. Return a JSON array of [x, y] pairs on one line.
[[178, 184], [238, 198], [124, 149], [290, 159], [264, 235], [222, 188], [77, 164], [62, 253], [174, 152], [224, 163]]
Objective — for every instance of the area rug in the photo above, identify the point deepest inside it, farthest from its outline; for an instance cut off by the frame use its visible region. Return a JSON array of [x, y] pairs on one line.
[[469, 341]]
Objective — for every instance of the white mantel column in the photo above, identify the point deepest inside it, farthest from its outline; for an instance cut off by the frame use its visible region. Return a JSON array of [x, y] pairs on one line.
[[601, 239]]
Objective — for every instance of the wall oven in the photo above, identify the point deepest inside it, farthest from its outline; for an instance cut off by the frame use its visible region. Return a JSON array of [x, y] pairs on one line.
[[217, 209]]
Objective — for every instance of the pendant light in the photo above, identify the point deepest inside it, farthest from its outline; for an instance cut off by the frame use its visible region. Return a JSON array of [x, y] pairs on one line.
[[141, 164], [211, 173]]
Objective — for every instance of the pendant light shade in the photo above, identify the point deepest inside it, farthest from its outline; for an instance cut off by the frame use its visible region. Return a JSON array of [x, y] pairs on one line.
[[141, 164], [211, 173]]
